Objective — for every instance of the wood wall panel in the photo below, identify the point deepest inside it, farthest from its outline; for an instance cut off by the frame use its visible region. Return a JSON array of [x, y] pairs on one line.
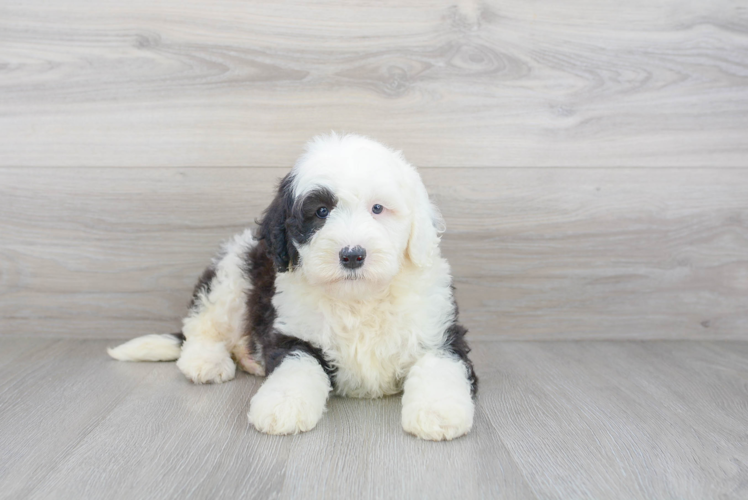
[[452, 83], [537, 253]]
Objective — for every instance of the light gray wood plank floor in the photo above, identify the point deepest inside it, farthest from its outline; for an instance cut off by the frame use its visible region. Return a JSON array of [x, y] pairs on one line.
[[579, 419]]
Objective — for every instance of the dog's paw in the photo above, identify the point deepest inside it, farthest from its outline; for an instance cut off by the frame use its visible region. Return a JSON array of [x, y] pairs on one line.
[[206, 362], [292, 399], [440, 420], [272, 412]]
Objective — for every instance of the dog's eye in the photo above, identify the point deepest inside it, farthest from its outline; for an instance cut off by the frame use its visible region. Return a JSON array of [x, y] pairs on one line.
[[377, 209], [322, 212]]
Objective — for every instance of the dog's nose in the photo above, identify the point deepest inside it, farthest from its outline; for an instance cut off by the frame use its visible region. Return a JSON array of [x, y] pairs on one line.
[[352, 258]]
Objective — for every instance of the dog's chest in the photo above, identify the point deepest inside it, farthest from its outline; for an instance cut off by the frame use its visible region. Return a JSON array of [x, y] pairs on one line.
[[371, 345]]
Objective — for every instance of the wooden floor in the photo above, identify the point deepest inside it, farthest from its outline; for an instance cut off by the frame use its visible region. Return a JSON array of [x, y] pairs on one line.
[[583, 419]]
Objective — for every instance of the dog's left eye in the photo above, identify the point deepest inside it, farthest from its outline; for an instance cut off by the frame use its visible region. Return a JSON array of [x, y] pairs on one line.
[[377, 209], [322, 212]]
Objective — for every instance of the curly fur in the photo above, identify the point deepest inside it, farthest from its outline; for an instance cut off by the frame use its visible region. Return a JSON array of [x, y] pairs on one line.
[[282, 303]]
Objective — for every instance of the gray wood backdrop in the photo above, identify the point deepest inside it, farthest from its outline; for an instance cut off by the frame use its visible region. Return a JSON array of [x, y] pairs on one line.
[[590, 158]]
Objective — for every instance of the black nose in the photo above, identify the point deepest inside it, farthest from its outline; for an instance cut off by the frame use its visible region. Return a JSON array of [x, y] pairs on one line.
[[352, 258]]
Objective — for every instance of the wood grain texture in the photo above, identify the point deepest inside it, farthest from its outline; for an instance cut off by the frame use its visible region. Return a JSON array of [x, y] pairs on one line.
[[452, 83], [581, 419], [621, 420], [51, 398], [194, 445], [536, 253], [15, 347], [389, 463]]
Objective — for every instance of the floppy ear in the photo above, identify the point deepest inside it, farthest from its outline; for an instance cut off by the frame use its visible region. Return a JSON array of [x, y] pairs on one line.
[[426, 227], [273, 227]]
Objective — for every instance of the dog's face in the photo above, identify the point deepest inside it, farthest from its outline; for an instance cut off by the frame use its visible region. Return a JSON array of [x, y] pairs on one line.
[[349, 215]]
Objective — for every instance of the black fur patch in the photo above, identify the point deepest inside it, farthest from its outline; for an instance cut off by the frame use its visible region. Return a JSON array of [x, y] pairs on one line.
[[265, 340], [288, 220], [273, 227], [283, 345], [203, 285], [304, 222], [457, 345], [261, 273]]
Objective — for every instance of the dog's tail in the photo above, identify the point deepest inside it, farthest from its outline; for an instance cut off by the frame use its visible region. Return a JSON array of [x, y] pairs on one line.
[[156, 347]]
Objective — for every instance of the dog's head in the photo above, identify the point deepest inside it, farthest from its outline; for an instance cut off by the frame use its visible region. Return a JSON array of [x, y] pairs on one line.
[[349, 215]]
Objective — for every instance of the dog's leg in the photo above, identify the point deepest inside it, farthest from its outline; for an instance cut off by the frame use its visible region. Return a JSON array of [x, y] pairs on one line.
[[206, 361], [215, 325], [293, 397], [245, 360], [437, 402], [206, 355]]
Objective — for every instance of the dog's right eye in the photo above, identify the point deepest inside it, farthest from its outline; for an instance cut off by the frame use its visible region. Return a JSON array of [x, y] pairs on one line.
[[322, 212]]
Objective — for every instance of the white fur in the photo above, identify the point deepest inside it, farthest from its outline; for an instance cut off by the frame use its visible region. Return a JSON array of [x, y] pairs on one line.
[[148, 348], [292, 399], [372, 342], [205, 361], [361, 173], [437, 404], [215, 326], [375, 327], [220, 314]]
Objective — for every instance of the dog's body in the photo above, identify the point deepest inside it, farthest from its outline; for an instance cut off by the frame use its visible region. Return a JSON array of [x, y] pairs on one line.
[[344, 289]]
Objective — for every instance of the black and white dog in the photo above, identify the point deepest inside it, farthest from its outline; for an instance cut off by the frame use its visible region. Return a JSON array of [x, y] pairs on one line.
[[342, 289]]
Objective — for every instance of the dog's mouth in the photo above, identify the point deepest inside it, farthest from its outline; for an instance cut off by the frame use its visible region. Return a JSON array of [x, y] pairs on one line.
[[347, 277], [352, 276]]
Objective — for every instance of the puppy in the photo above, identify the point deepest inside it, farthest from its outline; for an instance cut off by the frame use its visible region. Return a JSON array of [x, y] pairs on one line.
[[343, 289]]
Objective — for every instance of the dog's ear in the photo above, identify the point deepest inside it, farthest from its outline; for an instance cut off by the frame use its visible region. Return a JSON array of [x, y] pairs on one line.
[[427, 225], [274, 227]]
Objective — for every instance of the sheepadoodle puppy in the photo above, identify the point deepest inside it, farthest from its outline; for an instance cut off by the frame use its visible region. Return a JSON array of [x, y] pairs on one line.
[[341, 290]]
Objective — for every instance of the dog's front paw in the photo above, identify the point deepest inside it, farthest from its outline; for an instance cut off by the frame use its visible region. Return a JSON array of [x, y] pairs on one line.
[[273, 412], [206, 362], [292, 399], [439, 420]]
